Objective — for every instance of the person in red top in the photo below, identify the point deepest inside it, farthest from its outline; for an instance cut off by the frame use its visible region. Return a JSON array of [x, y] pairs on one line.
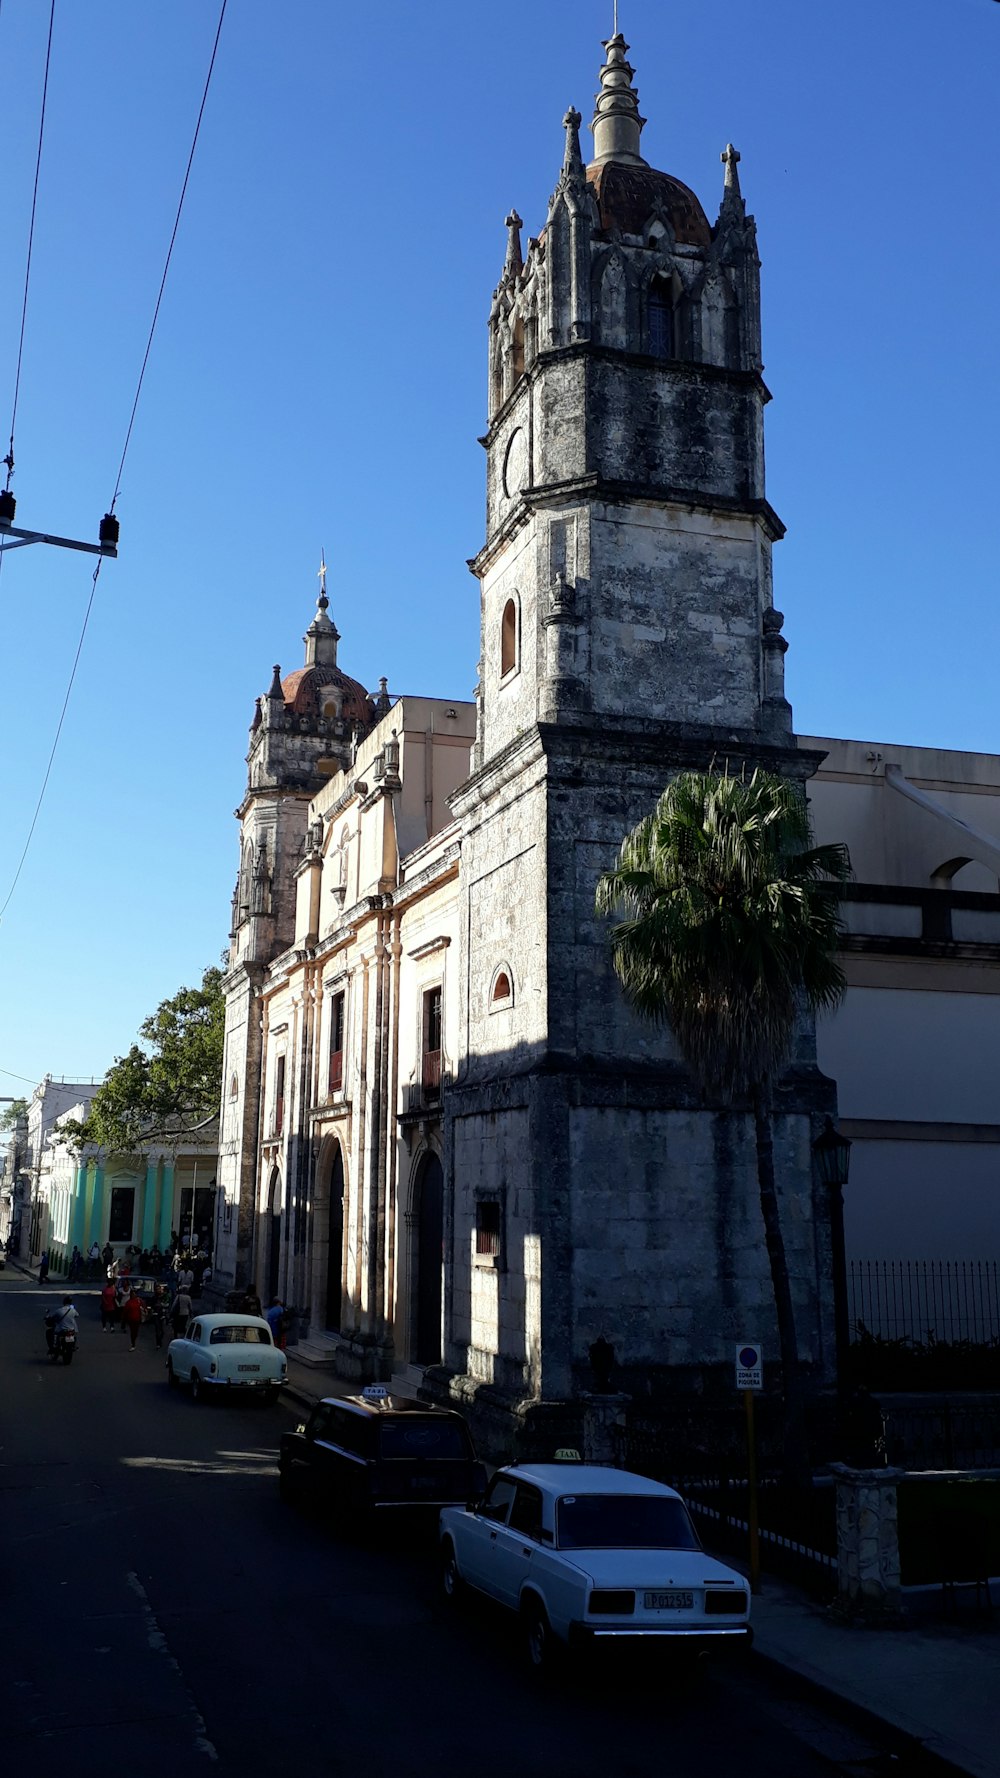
[[132, 1316], [109, 1306]]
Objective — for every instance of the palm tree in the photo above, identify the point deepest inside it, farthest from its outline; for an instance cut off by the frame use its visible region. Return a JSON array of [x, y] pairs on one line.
[[730, 925]]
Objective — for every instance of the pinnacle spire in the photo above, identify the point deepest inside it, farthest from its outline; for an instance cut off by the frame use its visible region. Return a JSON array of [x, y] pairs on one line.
[[322, 636], [617, 124], [733, 207], [513, 225], [572, 160]]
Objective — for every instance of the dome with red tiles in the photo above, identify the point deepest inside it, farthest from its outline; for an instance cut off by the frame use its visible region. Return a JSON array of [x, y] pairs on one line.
[[323, 690], [628, 195]]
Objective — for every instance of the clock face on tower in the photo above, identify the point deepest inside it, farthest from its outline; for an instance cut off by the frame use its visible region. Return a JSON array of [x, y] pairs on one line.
[[515, 463]]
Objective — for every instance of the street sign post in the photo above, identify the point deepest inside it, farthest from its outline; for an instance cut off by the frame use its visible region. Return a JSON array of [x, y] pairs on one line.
[[750, 1379], [749, 1365]]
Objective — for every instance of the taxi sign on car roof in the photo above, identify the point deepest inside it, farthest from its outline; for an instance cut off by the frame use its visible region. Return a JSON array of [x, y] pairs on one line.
[[375, 1392], [566, 1454]]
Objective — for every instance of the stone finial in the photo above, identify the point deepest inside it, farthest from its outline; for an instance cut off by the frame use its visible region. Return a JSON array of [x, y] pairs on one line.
[[572, 159], [616, 123], [732, 197], [383, 703], [513, 225], [276, 691]]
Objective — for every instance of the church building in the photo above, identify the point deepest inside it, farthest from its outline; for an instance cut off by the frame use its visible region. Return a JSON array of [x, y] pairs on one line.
[[443, 1131]]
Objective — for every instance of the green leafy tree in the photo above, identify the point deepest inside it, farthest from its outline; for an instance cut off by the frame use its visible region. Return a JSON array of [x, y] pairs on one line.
[[12, 1113], [730, 924], [170, 1083]]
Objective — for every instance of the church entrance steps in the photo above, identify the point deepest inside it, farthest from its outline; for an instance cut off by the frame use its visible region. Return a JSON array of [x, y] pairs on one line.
[[318, 1351], [407, 1379]]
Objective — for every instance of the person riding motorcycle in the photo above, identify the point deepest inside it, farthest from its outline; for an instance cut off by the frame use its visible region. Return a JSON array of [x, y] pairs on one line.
[[61, 1321]]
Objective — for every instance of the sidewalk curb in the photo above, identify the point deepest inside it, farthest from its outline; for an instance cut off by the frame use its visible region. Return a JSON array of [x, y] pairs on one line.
[[944, 1759]]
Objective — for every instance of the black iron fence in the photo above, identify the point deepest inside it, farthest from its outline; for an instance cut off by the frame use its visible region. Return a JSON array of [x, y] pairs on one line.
[[701, 1452], [926, 1300], [945, 1434], [925, 1324]]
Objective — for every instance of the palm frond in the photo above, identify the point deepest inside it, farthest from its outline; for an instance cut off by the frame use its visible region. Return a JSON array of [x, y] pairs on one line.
[[727, 918]]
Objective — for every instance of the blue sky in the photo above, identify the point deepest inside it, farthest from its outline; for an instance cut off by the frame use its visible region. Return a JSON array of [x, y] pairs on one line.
[[318, 380]]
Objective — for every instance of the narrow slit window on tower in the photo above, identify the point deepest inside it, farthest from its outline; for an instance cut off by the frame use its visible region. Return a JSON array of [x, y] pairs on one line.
[[661, 319], [508, 639], [488, 1228]]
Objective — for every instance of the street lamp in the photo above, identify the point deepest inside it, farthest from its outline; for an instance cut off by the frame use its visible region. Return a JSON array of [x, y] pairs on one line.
[[832, 1160], [832, 1152]]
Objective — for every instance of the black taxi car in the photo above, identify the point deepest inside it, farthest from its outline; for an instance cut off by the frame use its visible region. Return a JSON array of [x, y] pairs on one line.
[[377, 1450]]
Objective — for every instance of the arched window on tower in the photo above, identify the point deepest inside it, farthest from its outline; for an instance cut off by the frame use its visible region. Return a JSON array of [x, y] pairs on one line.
[[660, 319], [508, 639]]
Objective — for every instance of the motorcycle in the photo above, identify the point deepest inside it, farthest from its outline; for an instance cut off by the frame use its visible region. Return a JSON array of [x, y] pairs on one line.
[[62, 1344]]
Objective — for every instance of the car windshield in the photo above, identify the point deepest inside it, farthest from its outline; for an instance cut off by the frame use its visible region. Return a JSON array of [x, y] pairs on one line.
[[239, 1336], [624, 1522], [412, 1437]]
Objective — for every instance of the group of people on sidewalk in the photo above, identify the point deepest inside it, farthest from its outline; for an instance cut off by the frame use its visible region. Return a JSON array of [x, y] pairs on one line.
[[180, 1261], [124, 1308]]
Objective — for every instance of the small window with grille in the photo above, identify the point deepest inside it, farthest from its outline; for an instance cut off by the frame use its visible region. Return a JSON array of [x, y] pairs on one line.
[[488, 1229]]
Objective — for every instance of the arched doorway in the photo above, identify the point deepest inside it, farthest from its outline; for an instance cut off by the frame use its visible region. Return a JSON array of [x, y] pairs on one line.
[[273, 1235], [427, 1260], [335, 1244]]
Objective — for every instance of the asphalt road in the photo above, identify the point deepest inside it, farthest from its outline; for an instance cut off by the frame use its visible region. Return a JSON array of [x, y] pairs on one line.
[[161, 1611]]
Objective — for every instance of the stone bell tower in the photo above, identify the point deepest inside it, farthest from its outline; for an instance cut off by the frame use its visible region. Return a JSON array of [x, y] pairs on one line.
[[628, 632], [305, 729]]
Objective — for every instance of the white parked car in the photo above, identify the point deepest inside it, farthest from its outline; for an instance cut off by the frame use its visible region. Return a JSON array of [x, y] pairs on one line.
[[225, 1354], [584, 1554]]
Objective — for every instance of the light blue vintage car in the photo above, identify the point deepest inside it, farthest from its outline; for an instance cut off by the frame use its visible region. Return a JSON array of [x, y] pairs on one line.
[[227, 1354]]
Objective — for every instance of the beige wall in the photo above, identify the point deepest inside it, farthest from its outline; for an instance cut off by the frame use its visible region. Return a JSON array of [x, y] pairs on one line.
[[915, 1047]]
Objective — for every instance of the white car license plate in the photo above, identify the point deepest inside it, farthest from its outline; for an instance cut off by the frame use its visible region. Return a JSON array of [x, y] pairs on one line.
[[668, 1601], [249, 1367]]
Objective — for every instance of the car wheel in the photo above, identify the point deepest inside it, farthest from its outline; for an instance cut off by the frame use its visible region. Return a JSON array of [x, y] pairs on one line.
[[452, 1584], [196, 1388], [172, 1378], [540, 1644]]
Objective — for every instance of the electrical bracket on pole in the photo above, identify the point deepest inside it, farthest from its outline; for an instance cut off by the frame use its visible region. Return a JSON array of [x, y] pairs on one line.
[[23, 538]]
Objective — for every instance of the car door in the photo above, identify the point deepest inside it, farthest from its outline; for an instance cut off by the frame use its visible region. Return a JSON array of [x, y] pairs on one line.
[[517, 1543], [479, 1532], [181, 1354]]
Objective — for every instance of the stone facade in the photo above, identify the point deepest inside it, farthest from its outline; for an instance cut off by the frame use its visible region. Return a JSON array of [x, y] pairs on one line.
[[443, 1131]]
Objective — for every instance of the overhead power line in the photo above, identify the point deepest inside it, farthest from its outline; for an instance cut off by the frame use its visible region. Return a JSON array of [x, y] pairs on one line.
[[121, 466], [9, 459]]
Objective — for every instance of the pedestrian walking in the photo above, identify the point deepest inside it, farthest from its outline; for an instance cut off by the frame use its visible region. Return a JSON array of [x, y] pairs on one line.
[[158, 1313], [109, 1305], [132, 1316], [180, 1314], [185, 1279], [43, 1267], [277, 1321], [94, 1256], [75, 1264], [108, 1255]]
